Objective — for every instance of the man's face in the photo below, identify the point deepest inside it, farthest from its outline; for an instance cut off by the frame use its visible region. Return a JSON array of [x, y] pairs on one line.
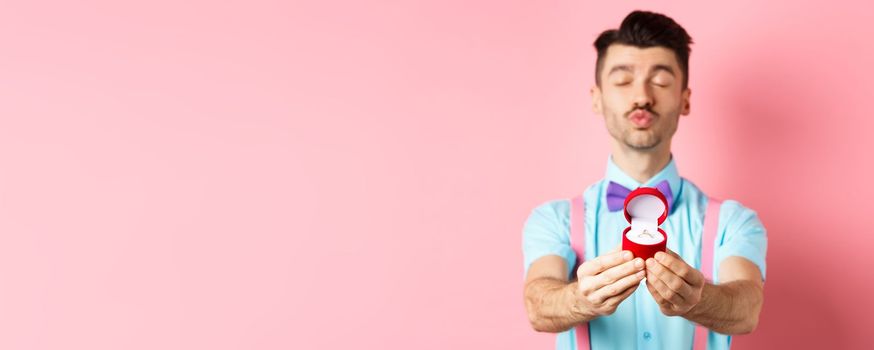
[[641, 95]]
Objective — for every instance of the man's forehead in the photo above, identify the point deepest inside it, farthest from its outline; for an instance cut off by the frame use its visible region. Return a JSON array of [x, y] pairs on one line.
[[642, 58]]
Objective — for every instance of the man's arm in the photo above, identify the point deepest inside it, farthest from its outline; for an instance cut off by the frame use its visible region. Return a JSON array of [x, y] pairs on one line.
[[731, 307], [549, 296], [555, 305]]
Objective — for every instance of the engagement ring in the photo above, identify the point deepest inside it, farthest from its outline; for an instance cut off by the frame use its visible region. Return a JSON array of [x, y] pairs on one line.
[[645, 232]]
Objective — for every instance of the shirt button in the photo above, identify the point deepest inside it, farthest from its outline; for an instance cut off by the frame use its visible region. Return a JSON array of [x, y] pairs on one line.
[[647, 335]]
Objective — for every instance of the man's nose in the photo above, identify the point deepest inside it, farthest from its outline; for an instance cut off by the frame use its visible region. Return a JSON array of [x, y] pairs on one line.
[[642, 95]]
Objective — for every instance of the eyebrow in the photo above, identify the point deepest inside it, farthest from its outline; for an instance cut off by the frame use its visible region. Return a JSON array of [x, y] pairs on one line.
[[621, 67], [663, 67], [628, 68]]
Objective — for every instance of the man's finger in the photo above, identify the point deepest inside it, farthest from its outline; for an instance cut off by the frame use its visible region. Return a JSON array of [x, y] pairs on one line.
[[613, 289], [614, 301], [664, 291], [664, 304], [671, 252], [603, 262], [654, 292], [667, 277], [676, 264], [616, 273]]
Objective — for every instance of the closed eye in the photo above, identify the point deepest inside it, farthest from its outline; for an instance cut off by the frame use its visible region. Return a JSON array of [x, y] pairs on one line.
[[662, 80]]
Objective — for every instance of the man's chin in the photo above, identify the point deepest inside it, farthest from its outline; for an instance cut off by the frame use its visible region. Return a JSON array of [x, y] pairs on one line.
[[642, 145]]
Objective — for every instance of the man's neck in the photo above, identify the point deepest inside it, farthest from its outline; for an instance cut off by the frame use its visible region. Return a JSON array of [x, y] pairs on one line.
[[641, 165]]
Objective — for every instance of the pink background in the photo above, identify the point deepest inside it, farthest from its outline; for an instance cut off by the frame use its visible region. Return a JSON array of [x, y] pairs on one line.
[[322, 175]]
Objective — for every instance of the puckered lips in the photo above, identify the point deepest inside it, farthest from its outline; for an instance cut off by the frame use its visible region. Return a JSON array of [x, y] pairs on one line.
[[641, 118]]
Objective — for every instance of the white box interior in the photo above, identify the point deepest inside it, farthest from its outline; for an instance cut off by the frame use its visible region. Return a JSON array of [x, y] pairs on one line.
[[645, 211]]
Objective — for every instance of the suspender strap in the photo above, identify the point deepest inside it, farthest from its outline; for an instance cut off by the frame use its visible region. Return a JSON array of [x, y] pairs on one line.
[[578, 244], [708, 242]]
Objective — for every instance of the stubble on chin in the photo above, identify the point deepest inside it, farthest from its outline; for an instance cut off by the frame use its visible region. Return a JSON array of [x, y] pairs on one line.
[[641, 143]]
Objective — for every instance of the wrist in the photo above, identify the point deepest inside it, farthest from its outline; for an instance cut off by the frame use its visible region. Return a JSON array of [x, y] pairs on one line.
[[578, 310], [706, 293]]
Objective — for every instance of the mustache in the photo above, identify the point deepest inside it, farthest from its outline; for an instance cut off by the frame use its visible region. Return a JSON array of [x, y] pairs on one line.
[[647, 108]]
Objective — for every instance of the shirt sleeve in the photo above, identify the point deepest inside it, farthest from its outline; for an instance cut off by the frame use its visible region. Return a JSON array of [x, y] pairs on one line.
[[546, 232], [742, 234]]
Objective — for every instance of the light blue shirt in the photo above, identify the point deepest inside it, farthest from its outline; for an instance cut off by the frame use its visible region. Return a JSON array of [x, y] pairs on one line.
[[638, 323]]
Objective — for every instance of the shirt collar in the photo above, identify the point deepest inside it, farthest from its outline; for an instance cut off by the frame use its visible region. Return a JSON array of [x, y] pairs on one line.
[[669, 172]]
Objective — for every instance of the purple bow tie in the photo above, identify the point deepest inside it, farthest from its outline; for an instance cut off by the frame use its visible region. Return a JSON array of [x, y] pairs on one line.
[[616, 194]]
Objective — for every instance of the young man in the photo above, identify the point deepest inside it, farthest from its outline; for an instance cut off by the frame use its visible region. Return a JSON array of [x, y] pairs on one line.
[[615, 301]]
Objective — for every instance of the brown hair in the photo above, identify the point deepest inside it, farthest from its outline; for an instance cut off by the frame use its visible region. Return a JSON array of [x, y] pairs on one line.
[[645, 29]]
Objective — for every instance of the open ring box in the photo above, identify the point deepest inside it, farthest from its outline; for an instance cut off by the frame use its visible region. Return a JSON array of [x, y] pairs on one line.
[[645, 208]]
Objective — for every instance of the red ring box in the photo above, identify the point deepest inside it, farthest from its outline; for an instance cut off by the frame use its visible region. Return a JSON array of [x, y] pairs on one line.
[[645, 209]]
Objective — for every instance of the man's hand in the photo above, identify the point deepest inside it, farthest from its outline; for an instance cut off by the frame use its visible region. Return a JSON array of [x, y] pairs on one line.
[[676, 286], [606, 281]]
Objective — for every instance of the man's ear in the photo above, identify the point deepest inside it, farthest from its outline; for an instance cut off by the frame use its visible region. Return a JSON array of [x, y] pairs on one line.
[[596, 100], [687, 107]]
